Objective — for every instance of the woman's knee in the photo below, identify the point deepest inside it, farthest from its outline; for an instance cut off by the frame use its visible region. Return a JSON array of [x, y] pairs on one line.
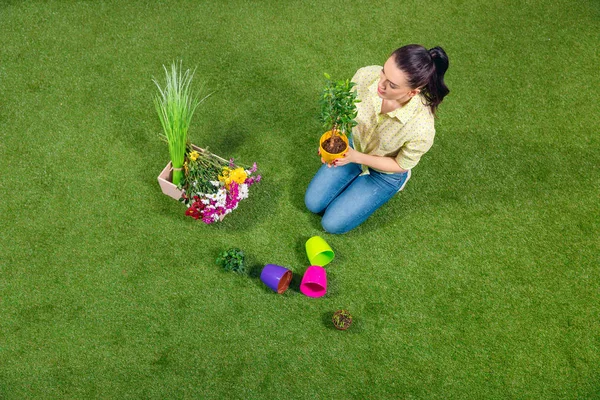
[[334, 225], [313, 203]]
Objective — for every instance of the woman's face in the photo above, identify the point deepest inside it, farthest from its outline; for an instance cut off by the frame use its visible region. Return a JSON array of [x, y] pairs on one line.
[[393, 83]]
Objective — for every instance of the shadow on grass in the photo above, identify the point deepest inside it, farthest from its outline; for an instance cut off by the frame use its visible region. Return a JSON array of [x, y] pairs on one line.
[[300, 251], [259, 206], [226, 140]]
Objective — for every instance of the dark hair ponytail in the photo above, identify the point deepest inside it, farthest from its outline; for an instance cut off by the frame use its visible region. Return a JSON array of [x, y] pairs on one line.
[[425, 70]]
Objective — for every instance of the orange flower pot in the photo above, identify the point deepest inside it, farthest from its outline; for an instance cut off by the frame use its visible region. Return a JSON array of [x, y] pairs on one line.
[[329, 157]]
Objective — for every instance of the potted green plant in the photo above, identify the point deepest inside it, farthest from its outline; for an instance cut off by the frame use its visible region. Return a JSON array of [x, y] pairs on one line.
[[175, 105], [342, 319], [338, 113]]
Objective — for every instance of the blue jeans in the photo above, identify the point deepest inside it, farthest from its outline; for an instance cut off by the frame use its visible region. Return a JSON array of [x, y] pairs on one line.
[[347, 199]]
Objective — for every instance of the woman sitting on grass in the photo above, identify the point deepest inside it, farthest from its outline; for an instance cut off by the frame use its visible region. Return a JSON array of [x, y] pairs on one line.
[[395, 128]]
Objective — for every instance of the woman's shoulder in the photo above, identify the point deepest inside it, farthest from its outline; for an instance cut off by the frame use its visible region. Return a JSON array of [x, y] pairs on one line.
[[366, 75]]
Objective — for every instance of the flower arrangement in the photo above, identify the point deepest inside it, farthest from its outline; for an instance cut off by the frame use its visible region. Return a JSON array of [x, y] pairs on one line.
[[212, 186]]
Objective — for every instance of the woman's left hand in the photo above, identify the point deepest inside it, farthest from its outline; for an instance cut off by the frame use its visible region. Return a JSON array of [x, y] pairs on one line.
[[350, 156]]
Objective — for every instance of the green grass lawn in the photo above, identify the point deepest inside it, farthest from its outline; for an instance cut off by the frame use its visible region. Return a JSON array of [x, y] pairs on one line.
[[480, 280]]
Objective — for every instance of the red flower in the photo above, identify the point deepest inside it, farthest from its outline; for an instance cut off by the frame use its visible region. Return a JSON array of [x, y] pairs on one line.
[[192, 212], [195, 209]]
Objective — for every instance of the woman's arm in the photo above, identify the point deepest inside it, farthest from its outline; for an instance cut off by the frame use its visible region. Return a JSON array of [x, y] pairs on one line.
[[386, 164]]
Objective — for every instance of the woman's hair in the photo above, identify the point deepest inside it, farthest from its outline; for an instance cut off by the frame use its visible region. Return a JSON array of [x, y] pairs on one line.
[[425, 70]]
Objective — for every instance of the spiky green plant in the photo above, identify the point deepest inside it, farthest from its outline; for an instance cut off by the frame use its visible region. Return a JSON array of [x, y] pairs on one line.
[[175, 104]]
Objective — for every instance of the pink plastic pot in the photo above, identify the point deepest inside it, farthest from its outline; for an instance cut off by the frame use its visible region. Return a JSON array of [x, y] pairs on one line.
[[314, 282], [276, 277]]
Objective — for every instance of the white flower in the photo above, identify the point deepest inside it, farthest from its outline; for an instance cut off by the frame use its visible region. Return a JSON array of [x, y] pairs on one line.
[[215, 183], [220, 198], [243, 191]]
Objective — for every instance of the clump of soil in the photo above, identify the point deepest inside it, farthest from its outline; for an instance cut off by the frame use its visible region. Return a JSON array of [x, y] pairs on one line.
[[334, 145]]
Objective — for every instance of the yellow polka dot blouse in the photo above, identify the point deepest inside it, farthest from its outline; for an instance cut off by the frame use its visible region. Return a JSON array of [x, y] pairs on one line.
[[405, 133]]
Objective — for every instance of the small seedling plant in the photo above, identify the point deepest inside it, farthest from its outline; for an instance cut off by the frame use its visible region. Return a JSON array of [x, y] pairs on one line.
[[338, 111], [342, 319], [232, 260]]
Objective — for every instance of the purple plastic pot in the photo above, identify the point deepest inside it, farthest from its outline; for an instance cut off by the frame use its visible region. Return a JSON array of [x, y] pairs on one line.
[[314, 282], [276, 277]]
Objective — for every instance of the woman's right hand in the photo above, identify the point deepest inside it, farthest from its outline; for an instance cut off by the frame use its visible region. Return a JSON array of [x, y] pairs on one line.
[[322, 160]]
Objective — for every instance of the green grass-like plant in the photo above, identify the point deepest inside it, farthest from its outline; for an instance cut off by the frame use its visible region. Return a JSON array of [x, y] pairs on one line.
[[175, 105]]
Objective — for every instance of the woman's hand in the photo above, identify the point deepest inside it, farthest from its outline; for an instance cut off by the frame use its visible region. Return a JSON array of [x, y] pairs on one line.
[[322, 160], [350, 156]]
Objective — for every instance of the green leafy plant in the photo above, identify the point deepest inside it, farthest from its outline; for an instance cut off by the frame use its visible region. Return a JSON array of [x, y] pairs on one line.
[[175, 105], [338, 106], [232, 260], [342, 319]]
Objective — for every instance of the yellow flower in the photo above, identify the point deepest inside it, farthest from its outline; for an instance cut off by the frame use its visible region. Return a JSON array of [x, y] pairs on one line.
[[238, 175], [225, 176], [229, 175], [194, 155]]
